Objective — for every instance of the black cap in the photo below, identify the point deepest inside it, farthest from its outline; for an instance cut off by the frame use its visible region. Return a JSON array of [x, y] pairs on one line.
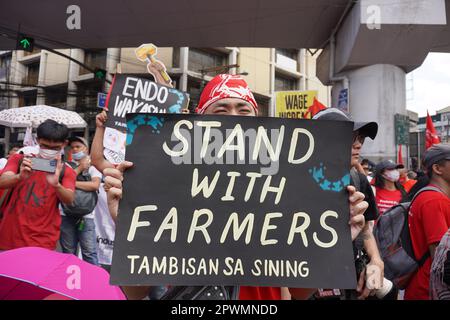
[[368, 129], [435, 154], [387, 165], [79, 139]]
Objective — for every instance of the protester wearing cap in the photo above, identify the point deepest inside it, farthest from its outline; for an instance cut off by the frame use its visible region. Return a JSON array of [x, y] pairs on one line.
[[76, 231], [388, 190], [429, 218], [224, 95], [361, 130]]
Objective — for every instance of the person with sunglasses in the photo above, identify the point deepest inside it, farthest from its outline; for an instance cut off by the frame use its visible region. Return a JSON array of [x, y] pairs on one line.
[[365, 247]]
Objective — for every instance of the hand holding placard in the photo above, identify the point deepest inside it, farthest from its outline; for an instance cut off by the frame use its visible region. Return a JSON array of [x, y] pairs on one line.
[[113, 186], [357, 208]]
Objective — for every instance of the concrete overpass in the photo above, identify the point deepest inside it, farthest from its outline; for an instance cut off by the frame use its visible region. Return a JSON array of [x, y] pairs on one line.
[[369, 45]]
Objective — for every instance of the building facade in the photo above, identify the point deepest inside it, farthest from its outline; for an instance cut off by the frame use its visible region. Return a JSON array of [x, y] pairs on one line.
[[42, 77], [441, 122]]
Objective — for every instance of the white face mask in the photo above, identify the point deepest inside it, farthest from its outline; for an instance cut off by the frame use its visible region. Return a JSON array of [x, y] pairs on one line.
[[48, 154], [78, 156], [392, 175]]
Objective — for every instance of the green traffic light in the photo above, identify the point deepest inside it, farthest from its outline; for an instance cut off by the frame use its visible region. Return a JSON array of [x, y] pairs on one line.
[[25, 43], [100, 73]]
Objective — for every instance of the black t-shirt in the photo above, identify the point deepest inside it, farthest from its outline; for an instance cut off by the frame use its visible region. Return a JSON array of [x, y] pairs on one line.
[[365, 188], [371, 212]]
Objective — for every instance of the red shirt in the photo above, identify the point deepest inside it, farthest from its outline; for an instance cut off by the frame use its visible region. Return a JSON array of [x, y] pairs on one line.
[[429, 220], [259, 293], [31, 217], [386, 199], [409, 184]]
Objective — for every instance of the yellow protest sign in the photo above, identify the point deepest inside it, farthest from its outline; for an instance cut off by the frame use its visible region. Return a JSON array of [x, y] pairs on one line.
[[294, 104]]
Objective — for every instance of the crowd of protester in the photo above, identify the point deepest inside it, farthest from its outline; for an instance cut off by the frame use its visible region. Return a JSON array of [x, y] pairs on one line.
[[74, 208]]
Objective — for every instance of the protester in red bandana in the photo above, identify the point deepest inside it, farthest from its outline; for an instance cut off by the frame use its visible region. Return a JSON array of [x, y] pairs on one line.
[[224, 95], [227, 94]]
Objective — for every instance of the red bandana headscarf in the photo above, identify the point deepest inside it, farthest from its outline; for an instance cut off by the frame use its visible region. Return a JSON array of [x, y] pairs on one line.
[[225, 86]]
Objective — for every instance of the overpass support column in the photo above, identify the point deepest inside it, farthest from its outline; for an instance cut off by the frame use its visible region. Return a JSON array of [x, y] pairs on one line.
[[376, 93]]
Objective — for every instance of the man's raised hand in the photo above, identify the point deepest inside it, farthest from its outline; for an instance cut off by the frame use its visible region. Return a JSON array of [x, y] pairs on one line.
[[113, 186]]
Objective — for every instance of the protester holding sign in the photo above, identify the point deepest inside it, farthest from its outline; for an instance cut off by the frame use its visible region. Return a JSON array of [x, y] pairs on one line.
[[220, 98]]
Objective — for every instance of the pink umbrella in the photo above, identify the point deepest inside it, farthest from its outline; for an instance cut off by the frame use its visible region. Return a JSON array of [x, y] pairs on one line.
[[35, 273]]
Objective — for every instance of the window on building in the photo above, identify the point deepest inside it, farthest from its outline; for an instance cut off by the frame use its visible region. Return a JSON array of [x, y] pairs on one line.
[[176, 58], [32, 76], [194, 88], [56, 97], [284, 83], [290, 53], [5, 62], [35, 50], [5, 93], [94, 58], [86, 105], [28, 98], [263, 105], [87, 95], [287, 59], [200, 59]]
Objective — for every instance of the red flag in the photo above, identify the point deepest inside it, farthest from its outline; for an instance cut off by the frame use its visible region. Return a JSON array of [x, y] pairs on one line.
[[431, 136], [315, 107], [400, 156]]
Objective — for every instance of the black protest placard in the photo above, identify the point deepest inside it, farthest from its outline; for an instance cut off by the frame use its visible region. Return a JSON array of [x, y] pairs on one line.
[[130, 94], [222, 200]]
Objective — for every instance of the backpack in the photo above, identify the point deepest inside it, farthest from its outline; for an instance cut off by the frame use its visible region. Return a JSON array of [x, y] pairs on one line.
[[84, 202], [395, 245]]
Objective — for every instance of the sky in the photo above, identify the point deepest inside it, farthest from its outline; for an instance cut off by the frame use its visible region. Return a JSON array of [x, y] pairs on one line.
[[428, 87]]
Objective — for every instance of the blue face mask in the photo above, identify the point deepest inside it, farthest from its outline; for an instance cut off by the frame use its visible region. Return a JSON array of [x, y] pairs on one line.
[[78, 156]]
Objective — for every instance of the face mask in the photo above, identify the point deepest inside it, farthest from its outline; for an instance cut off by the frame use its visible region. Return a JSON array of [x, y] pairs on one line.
[[392, 175], [48, 153], [78, 156]]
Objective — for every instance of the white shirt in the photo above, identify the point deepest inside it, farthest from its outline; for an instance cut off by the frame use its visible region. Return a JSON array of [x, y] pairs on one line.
[[104, 229], [3, 162]]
